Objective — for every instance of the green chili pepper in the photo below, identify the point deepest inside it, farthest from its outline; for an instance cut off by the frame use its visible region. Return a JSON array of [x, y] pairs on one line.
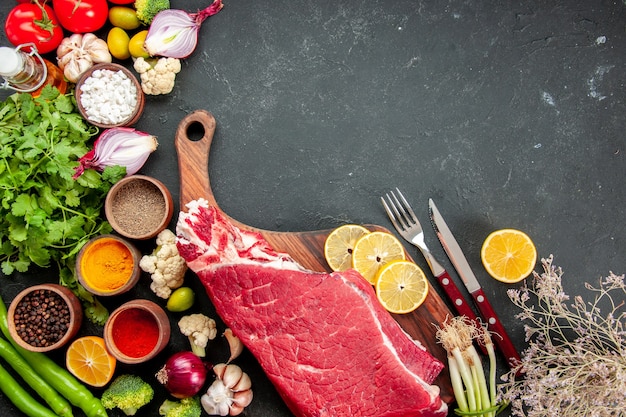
[[57, 403], [20, 397], [58, 377]]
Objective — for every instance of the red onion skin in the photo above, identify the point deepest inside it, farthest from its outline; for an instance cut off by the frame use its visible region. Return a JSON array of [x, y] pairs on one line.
[[183, 374]]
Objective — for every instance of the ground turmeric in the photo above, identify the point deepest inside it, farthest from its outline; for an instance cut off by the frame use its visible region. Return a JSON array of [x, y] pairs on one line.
[[107, 264]]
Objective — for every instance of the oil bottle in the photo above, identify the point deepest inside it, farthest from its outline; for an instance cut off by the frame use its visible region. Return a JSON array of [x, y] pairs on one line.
[[28, 72]]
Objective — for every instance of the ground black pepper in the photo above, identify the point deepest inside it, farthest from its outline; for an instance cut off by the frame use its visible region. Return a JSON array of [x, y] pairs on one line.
[[41, 318], [139, 207]]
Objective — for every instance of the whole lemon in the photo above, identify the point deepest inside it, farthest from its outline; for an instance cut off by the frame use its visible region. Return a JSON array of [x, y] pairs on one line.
[[181, 299], [135, 46], [117, 41]]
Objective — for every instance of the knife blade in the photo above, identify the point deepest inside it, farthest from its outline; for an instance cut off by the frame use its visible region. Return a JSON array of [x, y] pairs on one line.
[[456, 256]]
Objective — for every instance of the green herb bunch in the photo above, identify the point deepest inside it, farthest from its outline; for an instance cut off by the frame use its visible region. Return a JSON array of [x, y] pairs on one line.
[[46, 215]]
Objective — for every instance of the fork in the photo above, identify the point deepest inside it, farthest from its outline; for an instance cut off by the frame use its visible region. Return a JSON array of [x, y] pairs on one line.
[[406, 223]]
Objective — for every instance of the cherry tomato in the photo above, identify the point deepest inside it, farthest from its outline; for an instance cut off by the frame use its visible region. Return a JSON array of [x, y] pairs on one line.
[[81, 16], [28, 22]]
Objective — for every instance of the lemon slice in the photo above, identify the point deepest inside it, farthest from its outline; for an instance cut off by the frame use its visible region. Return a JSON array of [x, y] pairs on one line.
[[339, 245], [88, 360], [401, 287], [374, 250], [508, 255]]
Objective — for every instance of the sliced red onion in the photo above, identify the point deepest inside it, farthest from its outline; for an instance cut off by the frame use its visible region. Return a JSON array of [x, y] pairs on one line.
[[123, 146], [173, 33]]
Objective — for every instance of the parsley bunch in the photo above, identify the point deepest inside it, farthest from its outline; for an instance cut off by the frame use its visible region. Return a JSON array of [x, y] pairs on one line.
[[46, 215]]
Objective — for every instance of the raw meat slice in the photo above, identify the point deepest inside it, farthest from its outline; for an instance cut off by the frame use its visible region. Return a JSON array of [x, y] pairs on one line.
[[322, 339]]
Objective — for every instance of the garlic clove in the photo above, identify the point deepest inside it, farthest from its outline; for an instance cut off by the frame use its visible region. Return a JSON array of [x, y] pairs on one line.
[[231, 375], [100, 55], [219, 370], [234, 343], [243, 398], [235, 410], [75, 68], [243, 384]]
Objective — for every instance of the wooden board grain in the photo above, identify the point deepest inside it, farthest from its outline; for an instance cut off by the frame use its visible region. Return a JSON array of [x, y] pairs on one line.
[[307, 248]]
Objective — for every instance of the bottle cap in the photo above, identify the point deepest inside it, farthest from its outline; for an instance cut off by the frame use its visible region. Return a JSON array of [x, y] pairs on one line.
[[10, 62]]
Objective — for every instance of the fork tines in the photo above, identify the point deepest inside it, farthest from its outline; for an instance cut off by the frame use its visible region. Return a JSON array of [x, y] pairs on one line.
[[399, 211]]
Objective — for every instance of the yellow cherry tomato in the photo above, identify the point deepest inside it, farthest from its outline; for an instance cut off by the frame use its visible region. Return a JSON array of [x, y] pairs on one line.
[[135, 46], [117, 41], [124, 17]]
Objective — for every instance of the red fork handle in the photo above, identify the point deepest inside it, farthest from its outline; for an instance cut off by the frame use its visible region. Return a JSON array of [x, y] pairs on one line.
[[494, 325], [454, 295], [462, 307]]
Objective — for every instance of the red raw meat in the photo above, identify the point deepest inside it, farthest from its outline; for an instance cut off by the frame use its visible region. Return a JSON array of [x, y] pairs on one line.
[[323, 340]]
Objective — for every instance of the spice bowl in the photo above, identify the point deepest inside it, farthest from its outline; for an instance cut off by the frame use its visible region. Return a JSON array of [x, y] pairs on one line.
[[137, 331], [139, 207], [109, 95], [108, 265], [44, 317]]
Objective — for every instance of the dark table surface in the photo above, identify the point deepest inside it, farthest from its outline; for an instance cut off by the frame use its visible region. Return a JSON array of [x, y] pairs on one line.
[[508, 114]]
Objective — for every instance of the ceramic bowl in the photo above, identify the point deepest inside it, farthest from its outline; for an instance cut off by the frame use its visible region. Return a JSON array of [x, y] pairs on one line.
[[89, 108], [137, 331], [139, 207], [108, 265], [38, 299]]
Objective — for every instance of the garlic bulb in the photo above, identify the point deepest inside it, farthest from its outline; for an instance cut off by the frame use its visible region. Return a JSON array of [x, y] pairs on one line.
[[79, 52], [230, 393]]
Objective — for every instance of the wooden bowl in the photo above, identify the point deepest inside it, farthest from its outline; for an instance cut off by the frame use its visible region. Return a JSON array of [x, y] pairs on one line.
[[108, 265], [70, 304], [131, 118], [141, 323], [139, 207]]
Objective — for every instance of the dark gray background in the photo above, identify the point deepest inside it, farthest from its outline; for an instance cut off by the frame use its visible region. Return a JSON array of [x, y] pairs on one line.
[[507, 114]]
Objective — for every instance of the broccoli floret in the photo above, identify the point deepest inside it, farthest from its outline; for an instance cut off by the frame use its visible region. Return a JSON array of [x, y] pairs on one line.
[[128, 393], [147, 9], [187, 407]]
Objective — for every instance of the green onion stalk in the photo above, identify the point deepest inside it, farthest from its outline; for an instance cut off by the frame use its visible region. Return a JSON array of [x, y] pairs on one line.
[[475, 394]]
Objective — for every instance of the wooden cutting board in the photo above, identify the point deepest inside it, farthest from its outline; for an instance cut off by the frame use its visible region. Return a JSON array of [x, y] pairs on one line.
[[307, 248]]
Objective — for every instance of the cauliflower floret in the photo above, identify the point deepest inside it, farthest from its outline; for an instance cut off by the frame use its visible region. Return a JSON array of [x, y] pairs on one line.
[[199, 329], [157, 74], [166, 266]]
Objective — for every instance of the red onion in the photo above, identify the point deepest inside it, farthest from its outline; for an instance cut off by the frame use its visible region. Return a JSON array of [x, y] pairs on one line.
[[123, 146], [183, 374], [173, 33]]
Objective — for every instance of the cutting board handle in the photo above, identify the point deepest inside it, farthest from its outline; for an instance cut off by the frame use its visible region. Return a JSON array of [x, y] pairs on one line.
[[193, 156]]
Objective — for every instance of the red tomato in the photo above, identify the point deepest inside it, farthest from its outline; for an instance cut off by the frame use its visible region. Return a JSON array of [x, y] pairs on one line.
[[29, 22], [122, 1], [81, 16]]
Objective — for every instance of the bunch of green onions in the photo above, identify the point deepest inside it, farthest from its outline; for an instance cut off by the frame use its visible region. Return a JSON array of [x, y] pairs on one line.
[[474, 395]]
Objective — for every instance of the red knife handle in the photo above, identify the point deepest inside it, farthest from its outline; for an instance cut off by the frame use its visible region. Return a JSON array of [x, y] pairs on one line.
[[494, 325]]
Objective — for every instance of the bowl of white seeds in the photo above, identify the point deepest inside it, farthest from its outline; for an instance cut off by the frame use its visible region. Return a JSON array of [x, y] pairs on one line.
[[109, 95]]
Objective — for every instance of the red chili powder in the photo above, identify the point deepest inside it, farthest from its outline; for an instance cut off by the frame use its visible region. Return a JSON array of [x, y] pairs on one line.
[[135, 332]]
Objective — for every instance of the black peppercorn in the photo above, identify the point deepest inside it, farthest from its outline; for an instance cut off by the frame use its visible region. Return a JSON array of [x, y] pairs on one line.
[[41, 318]]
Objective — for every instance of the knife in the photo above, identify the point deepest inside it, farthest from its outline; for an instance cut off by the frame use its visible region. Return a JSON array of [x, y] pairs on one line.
[[454, 252]]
